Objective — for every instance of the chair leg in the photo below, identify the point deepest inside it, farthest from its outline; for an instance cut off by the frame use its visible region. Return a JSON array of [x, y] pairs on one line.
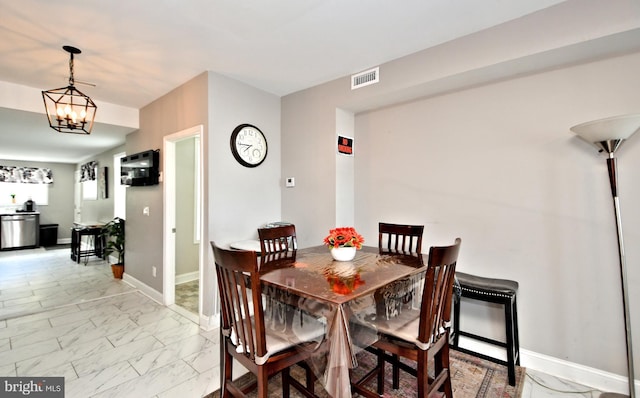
[[263, 383], [423, 374], [226, 374], [286, 387], [90, 247], [514, 313], [445, 364], [456, 321], [226, 366], [511, 367], [381, 365], [396, 372], [310, 379]]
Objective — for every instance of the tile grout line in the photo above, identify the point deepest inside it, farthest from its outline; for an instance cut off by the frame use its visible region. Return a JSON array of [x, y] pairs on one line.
[[23, 314]]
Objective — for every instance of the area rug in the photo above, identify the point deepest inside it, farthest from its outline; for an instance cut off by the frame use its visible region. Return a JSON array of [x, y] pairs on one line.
[[471, 378]]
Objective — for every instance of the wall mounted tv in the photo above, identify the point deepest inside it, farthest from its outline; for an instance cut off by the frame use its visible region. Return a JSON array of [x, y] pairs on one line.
[[140, 169]]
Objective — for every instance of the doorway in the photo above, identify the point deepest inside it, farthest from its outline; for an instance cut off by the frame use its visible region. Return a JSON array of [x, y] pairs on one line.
[[182, 222]]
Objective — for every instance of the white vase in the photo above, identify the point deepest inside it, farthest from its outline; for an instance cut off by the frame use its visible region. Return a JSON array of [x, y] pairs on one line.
[[343, 253]]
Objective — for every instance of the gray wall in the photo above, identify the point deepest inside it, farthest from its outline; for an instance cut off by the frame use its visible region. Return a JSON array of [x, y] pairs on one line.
[[497, 166], [184, 107], [240, 199], [237, 200], [101, 209], [60, 208]]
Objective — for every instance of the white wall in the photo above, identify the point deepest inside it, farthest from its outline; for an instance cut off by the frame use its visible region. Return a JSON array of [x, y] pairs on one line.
[[497, 166], [101, 209], [241, 199], [345, 200]]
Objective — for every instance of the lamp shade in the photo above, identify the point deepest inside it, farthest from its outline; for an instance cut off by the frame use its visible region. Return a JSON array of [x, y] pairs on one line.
[[608, 134]]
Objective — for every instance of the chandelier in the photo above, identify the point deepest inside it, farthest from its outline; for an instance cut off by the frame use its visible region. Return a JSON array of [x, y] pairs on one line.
[[68, 109]]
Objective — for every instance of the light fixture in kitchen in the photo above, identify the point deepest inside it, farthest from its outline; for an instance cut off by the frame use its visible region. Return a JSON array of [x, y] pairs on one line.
[[68, 109]]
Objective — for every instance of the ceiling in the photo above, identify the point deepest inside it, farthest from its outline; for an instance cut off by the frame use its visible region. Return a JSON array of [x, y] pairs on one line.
[[136, 51]]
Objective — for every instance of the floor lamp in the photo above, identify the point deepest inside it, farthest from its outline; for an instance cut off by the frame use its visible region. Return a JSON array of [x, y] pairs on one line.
[[608, 135]]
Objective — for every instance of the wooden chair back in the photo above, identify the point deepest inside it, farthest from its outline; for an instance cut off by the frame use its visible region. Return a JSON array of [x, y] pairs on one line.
[[400, 239], [240, 299], [435, 312], [431, 345], [245, 336], [277, 239]]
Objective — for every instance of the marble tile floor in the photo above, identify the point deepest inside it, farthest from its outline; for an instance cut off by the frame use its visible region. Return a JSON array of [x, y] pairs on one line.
[[542, 385], [60, 318]]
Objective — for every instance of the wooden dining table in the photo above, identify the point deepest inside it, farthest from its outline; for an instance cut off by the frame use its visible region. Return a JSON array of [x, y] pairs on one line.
[[342, 293]]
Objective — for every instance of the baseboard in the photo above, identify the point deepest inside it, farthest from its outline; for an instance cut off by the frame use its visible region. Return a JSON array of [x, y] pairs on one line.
[[63, 241], [185, 313], [206, 322], [592, 377], [209, 322], [145, 289], [188, 277]]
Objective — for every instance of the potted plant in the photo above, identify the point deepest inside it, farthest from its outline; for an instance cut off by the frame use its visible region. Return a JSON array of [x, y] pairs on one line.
[[113, 236], [343, 243]]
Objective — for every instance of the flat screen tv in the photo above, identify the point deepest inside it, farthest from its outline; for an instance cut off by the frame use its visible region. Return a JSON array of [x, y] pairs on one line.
[[140, 169]]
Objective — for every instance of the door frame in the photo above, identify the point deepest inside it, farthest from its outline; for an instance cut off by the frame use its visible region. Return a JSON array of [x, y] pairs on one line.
[[169, 199], [77, 197]]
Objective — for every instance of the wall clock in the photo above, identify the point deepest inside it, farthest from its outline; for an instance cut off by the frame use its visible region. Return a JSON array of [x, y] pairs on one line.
[[248, 145]]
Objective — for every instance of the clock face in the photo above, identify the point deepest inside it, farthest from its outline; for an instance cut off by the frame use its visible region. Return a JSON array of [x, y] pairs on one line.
[[248, 145]]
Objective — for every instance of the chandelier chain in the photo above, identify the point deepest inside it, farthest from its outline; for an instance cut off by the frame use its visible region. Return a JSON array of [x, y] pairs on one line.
[[71, 80]]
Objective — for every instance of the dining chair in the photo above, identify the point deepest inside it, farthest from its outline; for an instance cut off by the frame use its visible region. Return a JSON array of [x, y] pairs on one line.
[[278, 246], [420, 334], [263, 350], [400, 239], [277, 239], [405, 240]]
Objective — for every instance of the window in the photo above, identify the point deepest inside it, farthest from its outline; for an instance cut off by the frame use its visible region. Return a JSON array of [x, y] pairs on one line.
[[89, 190], [16, 193]]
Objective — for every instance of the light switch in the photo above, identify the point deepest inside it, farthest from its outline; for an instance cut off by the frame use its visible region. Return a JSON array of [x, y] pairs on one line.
[[145, 211]]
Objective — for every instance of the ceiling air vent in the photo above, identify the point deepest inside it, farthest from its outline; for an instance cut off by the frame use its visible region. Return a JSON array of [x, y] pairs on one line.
[[365, 78]]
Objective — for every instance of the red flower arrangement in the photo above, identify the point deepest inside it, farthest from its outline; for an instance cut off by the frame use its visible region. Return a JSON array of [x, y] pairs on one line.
[[344, 237]]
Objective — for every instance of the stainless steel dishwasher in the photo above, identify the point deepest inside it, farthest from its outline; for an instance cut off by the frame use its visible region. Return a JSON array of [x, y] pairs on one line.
[[20, 230]]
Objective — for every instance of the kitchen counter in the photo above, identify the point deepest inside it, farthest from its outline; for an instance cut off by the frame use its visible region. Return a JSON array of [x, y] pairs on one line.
[[13, 213]]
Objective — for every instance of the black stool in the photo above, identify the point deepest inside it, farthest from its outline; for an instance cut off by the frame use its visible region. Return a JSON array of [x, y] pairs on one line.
[[500, 291], [92, 247]]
